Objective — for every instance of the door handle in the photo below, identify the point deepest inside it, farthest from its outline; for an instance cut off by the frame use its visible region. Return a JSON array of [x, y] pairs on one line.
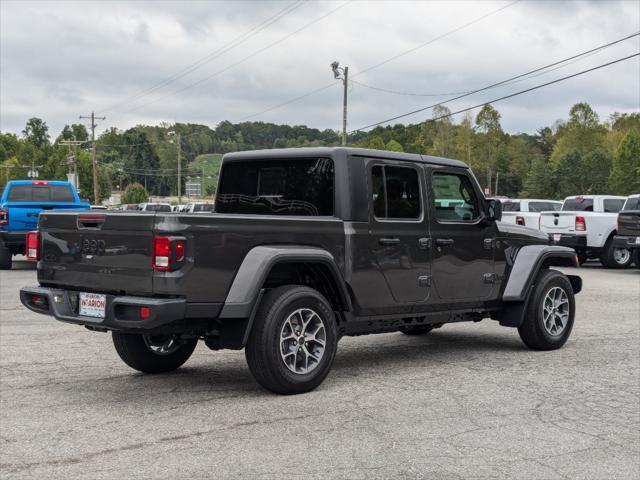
[[444, 242], [388, 241], [424, 243]]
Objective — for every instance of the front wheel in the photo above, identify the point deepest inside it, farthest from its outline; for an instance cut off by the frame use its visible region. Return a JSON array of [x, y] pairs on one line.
[[153, 353], [293, 341], [549, 317]]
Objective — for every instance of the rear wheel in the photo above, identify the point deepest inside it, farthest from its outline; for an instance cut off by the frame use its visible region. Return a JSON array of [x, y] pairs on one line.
[[293, 341], [5, 258], [153, 353], [613, 257], [549, 317]]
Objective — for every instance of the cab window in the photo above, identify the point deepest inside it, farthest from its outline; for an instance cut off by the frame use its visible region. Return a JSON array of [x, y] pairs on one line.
[[613, 205], [454, 198], [395, 192]]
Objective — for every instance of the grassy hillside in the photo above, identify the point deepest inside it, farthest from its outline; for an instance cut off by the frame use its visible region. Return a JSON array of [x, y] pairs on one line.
[[211, 163]]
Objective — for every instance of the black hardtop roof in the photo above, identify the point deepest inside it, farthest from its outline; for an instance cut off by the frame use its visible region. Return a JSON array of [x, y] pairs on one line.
[[335, 151]]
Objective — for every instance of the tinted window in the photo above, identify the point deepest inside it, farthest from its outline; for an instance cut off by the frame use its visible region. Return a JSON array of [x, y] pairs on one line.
[[204, 207], [40, 193], [454, 197], [157, 207], [543, 206], [396, 192], [632, 204], [277, 187], [613, 206], [511, 206], [578, 205]]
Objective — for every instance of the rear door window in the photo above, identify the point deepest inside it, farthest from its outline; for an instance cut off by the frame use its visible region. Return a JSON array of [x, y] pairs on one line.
[[395, 193], [291, 186], [454, 199], [613, 205]]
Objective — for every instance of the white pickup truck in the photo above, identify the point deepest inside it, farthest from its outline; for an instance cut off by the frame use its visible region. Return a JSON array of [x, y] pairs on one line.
[[526, 211], [587, 223]]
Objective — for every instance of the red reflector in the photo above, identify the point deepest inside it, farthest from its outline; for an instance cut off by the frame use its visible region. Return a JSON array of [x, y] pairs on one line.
[[179, 247], [38, 300], [145, 312], [33, 246], [40, 182]]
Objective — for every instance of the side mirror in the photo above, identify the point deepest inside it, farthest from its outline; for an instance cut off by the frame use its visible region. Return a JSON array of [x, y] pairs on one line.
[[494, 210]]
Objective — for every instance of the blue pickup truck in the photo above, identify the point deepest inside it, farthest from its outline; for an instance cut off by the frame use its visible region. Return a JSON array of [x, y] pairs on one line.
[[21, 203]]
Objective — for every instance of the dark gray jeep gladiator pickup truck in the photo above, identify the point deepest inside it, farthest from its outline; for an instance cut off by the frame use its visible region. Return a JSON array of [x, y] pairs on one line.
[[305, 246]]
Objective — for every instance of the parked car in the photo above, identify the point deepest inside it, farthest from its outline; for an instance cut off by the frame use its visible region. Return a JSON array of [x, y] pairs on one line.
[[195, 207], [628, 229], [99, 207], [177, 208], [306, 245], [21, 203], [526, 212], [130, 207], [588, 224], [154, 207]]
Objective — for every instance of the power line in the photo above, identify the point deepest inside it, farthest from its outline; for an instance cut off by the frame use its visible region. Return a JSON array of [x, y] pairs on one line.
[[244, 59], [503, 97], [213, 55], [384, 62], [408, 94]]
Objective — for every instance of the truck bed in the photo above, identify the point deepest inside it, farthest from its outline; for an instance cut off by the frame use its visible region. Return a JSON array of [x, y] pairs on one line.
[[112, 252]]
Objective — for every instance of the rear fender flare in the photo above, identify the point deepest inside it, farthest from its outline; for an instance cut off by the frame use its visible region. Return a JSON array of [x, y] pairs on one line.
[[248, 282]]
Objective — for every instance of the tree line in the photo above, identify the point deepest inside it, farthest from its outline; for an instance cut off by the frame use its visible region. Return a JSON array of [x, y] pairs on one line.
[[578, 155]]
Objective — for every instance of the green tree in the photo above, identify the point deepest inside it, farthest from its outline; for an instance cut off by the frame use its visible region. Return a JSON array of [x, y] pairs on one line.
[[393, 146], [36, 132], [540, 181], [135, 193], [625, 172], [444, 130]]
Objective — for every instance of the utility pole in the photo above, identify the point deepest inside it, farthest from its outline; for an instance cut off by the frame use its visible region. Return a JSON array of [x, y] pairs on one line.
[[179, 169], [497, 178], [93, 153], [342, 73], [72, 159]]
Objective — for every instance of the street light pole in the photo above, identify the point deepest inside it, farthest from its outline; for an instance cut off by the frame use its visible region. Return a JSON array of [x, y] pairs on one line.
[[342, 74]]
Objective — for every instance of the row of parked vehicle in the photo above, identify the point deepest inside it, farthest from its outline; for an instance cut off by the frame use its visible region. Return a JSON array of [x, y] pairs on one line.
[[191, 207], [606, 227]]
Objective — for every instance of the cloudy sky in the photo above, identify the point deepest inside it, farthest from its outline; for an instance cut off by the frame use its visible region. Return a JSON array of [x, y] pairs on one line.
[[204, 62]]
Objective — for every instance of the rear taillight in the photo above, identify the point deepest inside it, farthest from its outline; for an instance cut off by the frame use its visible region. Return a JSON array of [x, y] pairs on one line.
[[33, 246], [168, 253], [4, 216], [519, 220], [581, 224]]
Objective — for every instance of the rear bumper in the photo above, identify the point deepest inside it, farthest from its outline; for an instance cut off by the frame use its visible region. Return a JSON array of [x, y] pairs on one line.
[[569, 240], [14, 239], [121, 312], [623, 241]]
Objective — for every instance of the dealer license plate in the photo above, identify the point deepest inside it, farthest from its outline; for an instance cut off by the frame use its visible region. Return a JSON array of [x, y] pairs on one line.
[[92, 305], [556, 237]]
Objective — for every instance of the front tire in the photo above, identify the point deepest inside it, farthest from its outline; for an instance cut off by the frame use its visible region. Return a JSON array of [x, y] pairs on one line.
[[617, 258], [153, 353], [549, 316], [293, 341]]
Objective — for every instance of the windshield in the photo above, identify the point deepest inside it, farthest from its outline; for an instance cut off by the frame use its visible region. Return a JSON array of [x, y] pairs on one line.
[[40, 193], [297, 186], [632, 203], [578, 205]]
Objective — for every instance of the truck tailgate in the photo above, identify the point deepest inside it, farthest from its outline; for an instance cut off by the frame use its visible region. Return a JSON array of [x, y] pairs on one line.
[[97, 252], [24, 215], [558, 222], [629, 223]]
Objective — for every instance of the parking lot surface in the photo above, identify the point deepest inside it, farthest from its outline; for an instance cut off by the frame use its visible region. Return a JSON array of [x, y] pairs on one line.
[[465, 401]]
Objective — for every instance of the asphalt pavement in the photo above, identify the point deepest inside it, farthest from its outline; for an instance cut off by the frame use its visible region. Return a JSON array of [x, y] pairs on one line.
[[467, 401]]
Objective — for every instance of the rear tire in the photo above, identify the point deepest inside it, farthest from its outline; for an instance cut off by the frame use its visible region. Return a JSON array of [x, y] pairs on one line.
[[293, 341], [153, 353], [613, 257], [6, 259], [421, 330], [549, 316]]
